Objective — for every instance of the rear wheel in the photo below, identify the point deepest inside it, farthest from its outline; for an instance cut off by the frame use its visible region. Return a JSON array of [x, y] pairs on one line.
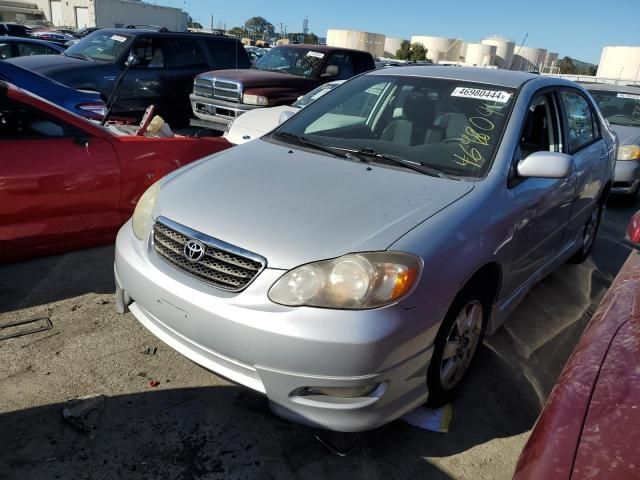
[[456, 343], [589, 233]]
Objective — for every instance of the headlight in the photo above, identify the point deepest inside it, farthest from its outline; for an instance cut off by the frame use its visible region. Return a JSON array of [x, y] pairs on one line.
[[354, 281], [255, 100], [629, 152], [142, 218]]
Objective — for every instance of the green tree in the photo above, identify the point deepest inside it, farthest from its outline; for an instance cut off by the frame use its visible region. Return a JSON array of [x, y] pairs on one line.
[[259, 27], [566, 66], [236, 32], [404, 52], [311, 39], [191, 23], [418, 52]]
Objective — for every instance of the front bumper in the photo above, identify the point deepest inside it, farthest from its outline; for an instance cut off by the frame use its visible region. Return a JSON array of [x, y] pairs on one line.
[[626, 178], [280, 351], [218, 112]]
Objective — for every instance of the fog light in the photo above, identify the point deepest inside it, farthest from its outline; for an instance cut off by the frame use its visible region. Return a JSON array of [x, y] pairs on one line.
[[342, 392]]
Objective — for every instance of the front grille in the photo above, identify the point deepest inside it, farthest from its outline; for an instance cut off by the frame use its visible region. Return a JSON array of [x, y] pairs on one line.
[[215, 88], [225, 266]]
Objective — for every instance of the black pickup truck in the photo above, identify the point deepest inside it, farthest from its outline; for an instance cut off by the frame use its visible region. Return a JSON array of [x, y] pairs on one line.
[[279, 78]]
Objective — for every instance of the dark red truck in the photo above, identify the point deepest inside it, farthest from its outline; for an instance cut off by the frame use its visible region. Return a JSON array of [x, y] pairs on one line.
[[279, 78]]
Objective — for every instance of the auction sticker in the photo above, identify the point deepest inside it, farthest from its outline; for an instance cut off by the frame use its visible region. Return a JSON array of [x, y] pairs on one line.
[[311, 53], [499, 96], [118, 38], [628, 95]]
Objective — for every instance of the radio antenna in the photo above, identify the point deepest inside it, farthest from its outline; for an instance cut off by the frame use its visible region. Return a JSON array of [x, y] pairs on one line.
[[519, 48]]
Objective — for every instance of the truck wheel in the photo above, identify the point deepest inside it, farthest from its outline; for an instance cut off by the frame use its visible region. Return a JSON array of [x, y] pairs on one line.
[[456, 343]]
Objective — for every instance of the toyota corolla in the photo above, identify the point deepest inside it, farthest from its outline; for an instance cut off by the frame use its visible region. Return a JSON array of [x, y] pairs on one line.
[[348, 264]]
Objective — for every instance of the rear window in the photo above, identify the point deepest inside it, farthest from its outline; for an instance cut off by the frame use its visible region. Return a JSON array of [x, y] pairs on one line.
[[228, 54]]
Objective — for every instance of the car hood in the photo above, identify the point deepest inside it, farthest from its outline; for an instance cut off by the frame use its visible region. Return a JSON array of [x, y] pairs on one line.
[[256, 123], [259, 78], [627, 135], [51, 65], [294, 206]]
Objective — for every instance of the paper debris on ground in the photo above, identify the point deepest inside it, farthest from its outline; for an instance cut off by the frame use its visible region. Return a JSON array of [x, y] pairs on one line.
[[83, 413], [436, 420]]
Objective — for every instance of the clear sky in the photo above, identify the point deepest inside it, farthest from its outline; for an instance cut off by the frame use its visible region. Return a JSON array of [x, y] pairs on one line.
[[578, 29]]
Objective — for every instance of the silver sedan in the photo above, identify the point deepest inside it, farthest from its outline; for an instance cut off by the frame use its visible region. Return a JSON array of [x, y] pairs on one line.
[[348, 264]]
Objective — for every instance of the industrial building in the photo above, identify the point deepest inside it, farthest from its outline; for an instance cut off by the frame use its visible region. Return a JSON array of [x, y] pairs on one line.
[[111, 13], [618, 62], [367, 41], [21, 12], [440, 49], [503, 55], [392, 45]]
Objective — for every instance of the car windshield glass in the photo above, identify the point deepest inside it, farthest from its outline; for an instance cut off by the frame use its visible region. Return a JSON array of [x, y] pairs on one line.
[[451, 126], [295, 61], [314, 94], [100, 46], [619, 108]]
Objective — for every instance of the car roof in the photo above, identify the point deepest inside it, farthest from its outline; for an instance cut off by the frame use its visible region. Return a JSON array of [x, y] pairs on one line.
[[32, 40], [147, 31], [505, 78], [610, 88]]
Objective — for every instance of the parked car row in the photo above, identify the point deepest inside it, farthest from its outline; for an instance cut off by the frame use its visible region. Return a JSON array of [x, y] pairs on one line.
[[316, 288]]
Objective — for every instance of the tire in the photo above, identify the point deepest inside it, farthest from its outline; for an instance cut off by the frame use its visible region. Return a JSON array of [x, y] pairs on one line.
[[447, 368], [589, 234]]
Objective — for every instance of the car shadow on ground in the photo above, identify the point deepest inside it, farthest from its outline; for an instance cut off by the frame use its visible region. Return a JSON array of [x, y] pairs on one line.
[[41, 281], [229, 432]]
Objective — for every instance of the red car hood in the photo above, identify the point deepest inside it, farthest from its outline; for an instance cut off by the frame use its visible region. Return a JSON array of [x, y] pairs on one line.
[[261, 78]]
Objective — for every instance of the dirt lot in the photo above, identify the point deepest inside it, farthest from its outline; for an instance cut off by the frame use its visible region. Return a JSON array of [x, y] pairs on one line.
[[194, 425]]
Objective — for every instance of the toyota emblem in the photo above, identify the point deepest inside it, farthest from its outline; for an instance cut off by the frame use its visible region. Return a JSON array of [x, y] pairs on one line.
[[194, 250]]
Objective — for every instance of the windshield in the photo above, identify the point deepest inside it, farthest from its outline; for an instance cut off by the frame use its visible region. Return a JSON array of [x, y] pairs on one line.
[[315, 94], [450, 126], [100, 46], [296, 61], [618, 107]]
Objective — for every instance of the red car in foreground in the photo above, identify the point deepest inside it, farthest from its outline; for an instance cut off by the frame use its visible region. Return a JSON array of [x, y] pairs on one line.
[[67, 183], [590, 426]]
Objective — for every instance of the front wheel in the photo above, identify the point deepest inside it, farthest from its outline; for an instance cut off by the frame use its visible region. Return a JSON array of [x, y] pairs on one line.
[[455, 346]]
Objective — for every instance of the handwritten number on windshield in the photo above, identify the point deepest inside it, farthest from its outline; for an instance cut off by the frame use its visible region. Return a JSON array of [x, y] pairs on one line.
[[477, 134]]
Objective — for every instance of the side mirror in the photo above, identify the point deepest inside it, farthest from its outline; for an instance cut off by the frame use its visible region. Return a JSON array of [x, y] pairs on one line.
[[545, 165], [284, 116], [633, 229], [132, 61], [331, 71]]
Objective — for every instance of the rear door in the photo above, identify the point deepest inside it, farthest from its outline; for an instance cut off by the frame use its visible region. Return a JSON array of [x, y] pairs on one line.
[[60, 186], [585, 144]]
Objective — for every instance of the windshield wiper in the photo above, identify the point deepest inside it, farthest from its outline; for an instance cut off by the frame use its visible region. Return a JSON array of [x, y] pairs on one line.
[[410, 164], [79, 55], [335, 151]]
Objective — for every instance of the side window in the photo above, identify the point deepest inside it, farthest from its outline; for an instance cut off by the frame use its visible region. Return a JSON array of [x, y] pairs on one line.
[[20, 122], [344, 63], [150, 51], [227, 54], [580, 121], [5, 51], [25, 49], [539, 132], [184, 53], [362, 63]]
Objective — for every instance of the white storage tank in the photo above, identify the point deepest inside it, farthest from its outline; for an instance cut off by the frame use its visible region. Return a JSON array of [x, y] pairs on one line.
[[440, 48], [551, 60], [526, 58], [392, 45], [480, 54], [367, 41], [620, 62], [504, 50]]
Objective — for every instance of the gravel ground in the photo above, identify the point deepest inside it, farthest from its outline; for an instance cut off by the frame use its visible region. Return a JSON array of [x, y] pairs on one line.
[[195, 425]]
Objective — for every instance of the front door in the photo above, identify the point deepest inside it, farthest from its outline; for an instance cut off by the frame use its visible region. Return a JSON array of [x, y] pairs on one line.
[[58, 187], [543, 205], [56, 12]]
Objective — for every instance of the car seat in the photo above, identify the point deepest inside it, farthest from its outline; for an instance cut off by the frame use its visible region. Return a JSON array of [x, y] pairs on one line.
[[418, 111]]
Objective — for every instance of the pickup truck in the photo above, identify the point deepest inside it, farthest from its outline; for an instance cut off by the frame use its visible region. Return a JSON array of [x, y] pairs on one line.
[[279, 78]]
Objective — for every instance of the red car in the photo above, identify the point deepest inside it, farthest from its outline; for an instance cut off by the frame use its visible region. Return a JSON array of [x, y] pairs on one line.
[[67, 183], [590, 426]]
